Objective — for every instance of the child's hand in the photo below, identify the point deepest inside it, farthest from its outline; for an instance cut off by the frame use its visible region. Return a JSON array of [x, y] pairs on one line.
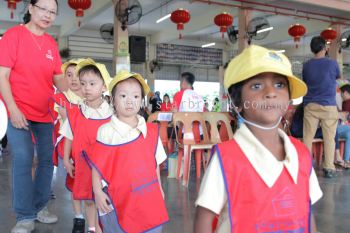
[[69, 168], [101, 201]]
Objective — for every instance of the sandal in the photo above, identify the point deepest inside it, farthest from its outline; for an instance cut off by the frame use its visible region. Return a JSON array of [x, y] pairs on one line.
[[341, 163], [346, 164]]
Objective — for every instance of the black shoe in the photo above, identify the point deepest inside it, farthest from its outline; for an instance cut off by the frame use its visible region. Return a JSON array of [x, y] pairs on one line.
[[327, 173], [79, 225]]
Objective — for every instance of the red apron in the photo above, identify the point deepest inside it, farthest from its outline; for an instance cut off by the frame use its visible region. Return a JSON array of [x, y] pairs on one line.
[[253, 206], [130, 171], [84, 132], [61, 100]]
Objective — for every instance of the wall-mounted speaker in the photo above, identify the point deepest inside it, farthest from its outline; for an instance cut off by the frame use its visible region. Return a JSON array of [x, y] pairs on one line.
[[137, 48]]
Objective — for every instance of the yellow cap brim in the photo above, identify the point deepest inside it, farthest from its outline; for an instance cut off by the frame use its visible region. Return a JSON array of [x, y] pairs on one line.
[[101, 67], [123, 75], [255, 60]]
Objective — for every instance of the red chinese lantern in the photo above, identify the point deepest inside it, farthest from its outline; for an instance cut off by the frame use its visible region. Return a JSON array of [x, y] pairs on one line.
[[79, 6], [329, 34], [296, 31], [12, 5], [180, 17], [223, 20]]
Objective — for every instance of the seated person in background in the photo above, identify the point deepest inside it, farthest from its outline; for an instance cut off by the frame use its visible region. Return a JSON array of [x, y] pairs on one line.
[[342, 132], [345, 94], [155, 101], [166, 106]]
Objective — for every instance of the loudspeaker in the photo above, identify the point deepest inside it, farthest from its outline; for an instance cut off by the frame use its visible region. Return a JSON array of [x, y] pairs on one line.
[[137, 48]]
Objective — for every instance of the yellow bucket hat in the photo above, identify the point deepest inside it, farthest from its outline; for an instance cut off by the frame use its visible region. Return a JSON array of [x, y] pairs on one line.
[[70, 62], [124, 74], [101, 67], [255, 60]]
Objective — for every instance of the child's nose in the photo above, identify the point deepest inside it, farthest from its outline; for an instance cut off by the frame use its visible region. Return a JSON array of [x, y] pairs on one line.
[[270, 92]]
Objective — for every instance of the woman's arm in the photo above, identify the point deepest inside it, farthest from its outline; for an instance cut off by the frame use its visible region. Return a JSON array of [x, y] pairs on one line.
[[203, 220], [17, 118], [60, 82]]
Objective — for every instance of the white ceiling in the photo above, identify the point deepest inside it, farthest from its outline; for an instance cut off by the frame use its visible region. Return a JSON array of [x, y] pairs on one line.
[[201, 26]]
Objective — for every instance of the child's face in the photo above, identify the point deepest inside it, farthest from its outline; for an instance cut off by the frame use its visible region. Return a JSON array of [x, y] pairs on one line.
[[127, 98], [73, 80], [345, 95], [92, 87], [265, 98]]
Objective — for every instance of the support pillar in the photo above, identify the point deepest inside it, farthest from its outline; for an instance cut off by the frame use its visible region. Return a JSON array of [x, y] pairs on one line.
[[121, 56], [244, 16]]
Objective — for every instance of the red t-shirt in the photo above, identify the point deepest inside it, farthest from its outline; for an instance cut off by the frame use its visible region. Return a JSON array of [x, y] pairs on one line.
[[166, 107], [33, 60], [346, 105]]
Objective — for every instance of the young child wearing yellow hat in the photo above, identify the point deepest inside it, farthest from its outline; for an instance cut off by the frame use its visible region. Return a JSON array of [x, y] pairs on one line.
[[80, 131], [125, 162], [261, 180], [63, 100]]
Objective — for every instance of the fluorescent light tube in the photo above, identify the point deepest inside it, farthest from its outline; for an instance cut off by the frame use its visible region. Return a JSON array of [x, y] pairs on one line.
[[163, 18], [264, 30], [208, 45]]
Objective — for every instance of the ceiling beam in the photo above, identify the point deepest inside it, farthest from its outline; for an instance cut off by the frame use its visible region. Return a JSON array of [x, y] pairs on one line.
[[98, 6], [334, 4]]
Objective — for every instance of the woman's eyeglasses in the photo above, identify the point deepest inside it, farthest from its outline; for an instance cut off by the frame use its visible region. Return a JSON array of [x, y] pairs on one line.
[[44, 10]]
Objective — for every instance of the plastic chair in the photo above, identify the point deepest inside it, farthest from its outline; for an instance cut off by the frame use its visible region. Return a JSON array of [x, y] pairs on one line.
[[219, 130], [167, 142], [188, 141]]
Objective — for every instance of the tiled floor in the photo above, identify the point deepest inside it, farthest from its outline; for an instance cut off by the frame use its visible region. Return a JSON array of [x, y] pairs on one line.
[[332, 212]]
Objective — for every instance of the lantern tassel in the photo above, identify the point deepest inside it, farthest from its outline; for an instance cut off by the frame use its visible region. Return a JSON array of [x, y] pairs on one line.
[[11, 14], [180, 36]]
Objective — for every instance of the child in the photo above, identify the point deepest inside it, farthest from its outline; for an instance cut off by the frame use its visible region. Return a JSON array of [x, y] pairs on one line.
[[72, 97], [125, 161], [63, 100], [83, 122], [262, 180]]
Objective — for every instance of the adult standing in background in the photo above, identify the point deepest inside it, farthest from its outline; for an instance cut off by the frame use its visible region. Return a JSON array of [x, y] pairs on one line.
[[30, 65], [320, 74], [187, 100]]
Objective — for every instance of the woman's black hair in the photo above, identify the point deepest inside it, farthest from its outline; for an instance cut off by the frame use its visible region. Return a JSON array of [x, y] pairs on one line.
[[27, 15], [166, 95]]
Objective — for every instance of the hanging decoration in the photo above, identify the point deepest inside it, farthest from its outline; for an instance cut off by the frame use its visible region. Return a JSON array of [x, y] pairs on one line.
[[12, 5], [297, 31], [223, 20], [329, 35], [79, 6], [180, 17]]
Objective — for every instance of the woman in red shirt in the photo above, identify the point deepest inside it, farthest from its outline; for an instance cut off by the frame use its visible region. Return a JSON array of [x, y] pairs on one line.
[[30, 65], [166, 106]]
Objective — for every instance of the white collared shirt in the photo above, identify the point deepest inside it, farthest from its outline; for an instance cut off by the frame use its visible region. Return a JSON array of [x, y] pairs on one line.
[[102, 112], [117, 132], [215, 199]]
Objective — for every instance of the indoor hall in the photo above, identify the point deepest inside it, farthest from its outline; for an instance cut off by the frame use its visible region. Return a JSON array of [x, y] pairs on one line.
[[160, 40]]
